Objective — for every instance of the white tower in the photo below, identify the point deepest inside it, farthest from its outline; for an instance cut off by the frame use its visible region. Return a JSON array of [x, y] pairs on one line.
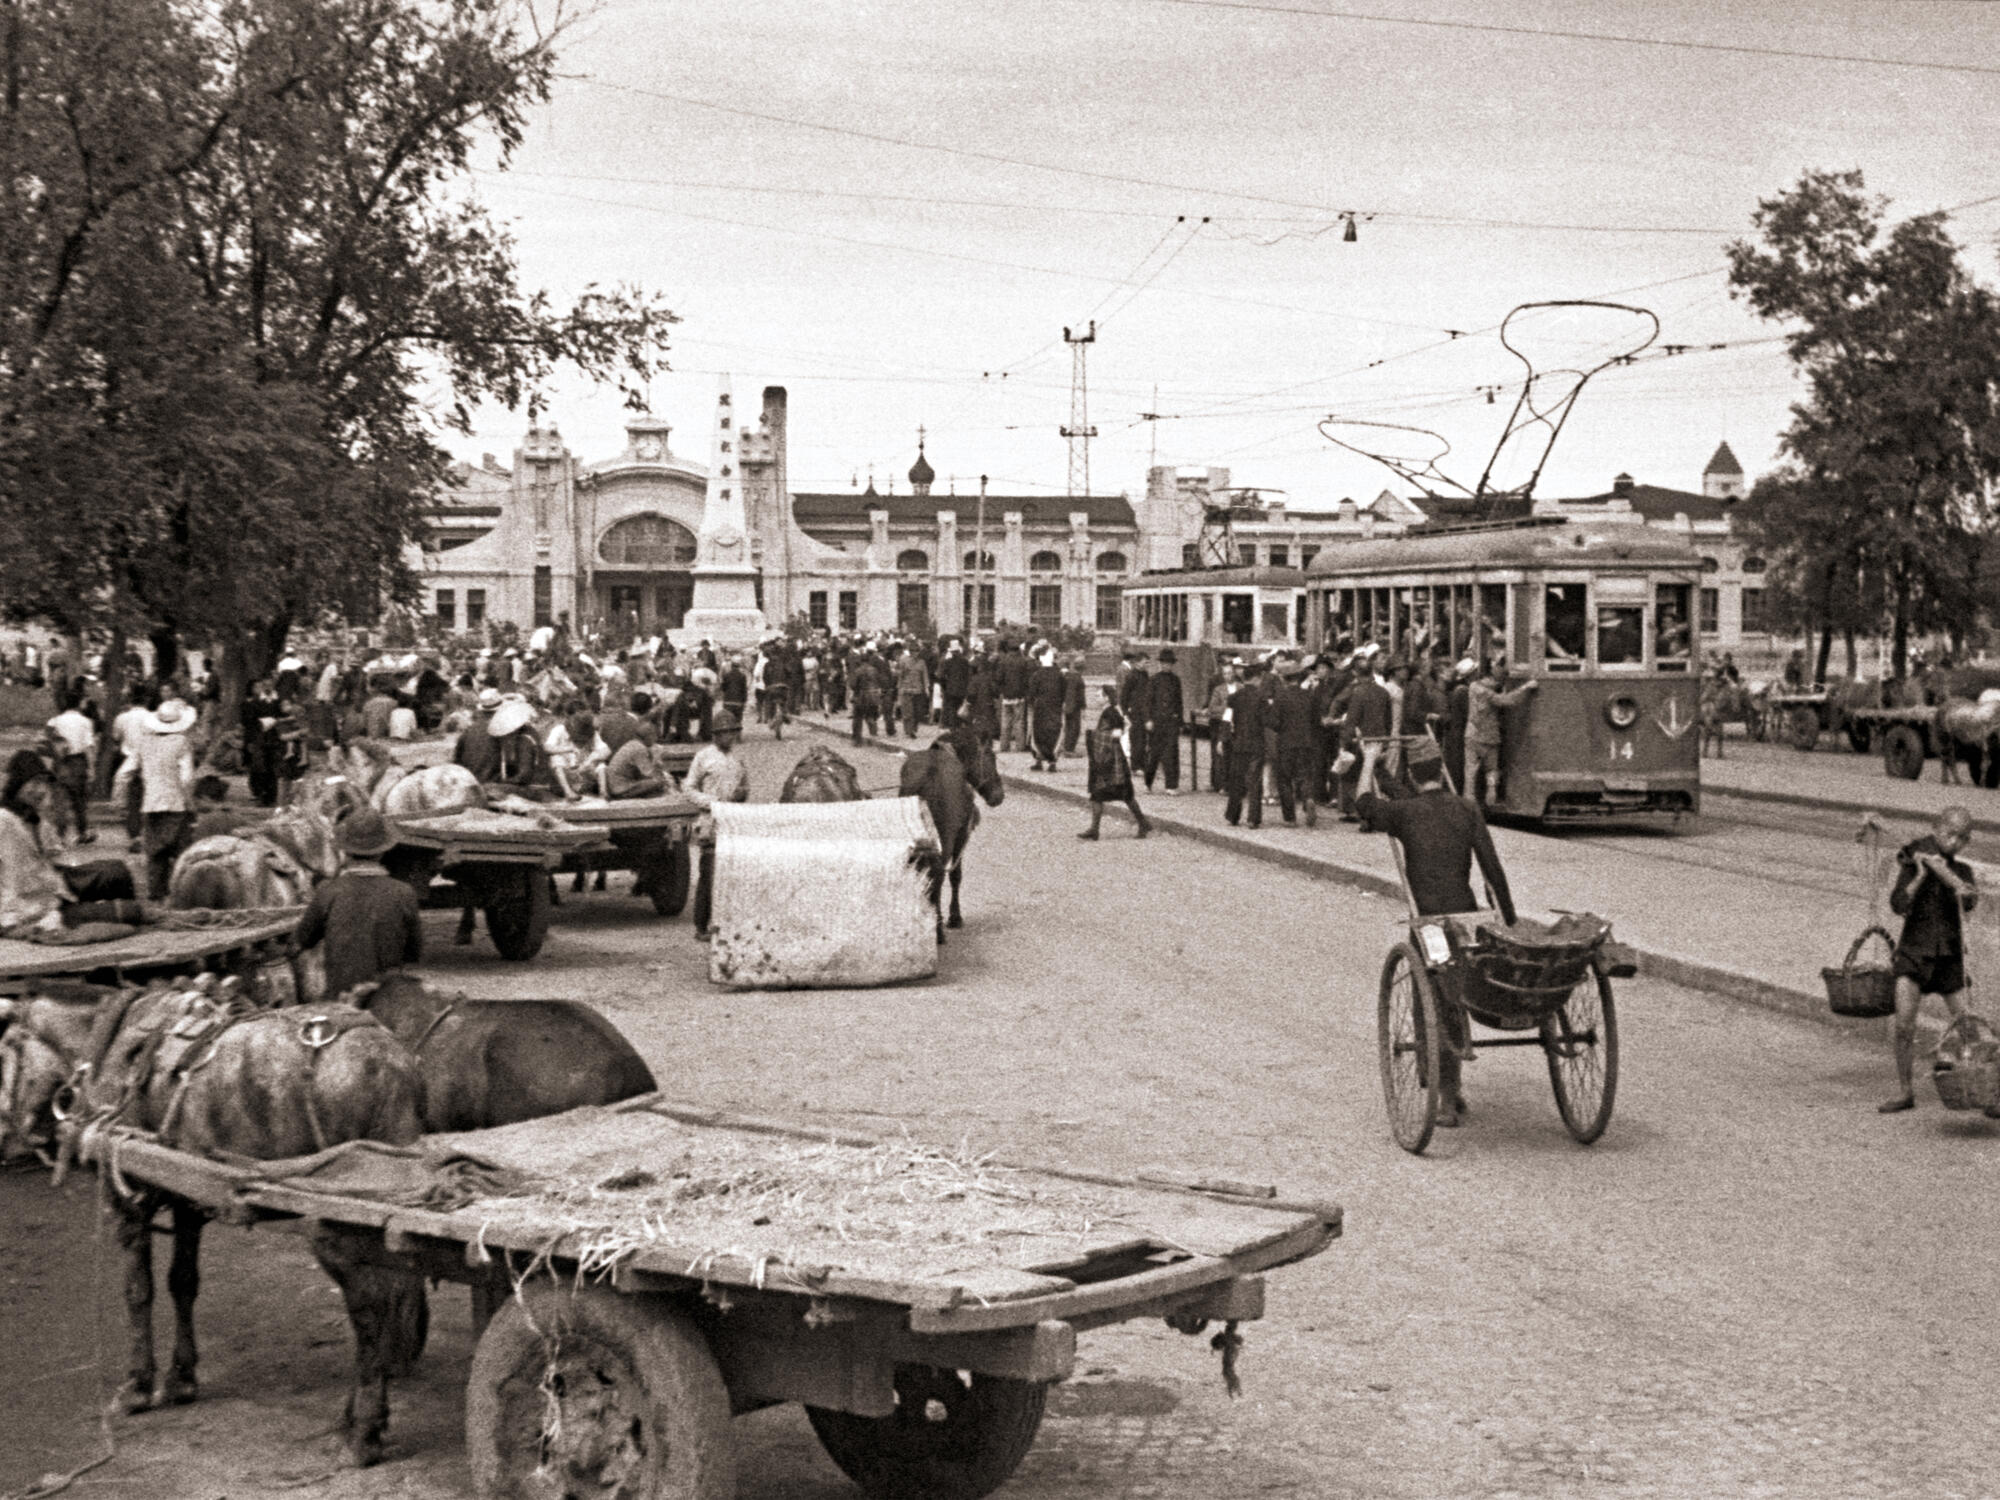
[[725, 580]]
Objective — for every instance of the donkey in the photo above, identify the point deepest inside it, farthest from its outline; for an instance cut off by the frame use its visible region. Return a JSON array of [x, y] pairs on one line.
[[206, 1077], [822, 776], [958, 763]]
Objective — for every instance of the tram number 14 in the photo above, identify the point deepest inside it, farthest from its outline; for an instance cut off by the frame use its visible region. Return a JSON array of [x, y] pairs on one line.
[[1620, 750]]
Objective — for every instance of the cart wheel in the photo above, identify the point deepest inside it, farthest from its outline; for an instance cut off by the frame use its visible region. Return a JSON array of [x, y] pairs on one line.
[[1408, 1036], [1903, 752], [670, 893], [582, 1391], [517, 914], [953, 1435], [1860, 738], [1581, 1042], [1803, 727]]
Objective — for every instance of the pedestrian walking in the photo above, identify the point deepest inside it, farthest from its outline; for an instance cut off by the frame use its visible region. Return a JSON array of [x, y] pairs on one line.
[[913, 691], [165, 765], [72, 736], [369, 921], [1166, 709], [1294, 733], [1934, 889], [1011, 675], [1134, 700], [1045, 712], [954, 679], [1217, 714], [1111, 769], [717, 774], [1074, 702], [1246, 750]]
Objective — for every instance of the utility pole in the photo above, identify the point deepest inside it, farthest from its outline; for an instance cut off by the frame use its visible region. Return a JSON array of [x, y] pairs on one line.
[[1079, 431], [978, 563]]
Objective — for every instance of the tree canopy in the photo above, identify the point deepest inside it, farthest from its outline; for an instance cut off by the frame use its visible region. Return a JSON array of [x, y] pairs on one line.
[[1892, 454], [241, 242]]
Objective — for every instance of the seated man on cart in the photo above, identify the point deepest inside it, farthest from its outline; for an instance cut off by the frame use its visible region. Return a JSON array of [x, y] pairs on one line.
[[1441, 833]]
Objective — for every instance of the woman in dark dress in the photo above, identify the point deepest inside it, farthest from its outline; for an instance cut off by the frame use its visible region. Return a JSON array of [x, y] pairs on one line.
[[1111, 769]]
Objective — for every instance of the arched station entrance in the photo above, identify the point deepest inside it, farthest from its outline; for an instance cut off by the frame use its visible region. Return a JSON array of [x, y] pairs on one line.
[[645, 568]]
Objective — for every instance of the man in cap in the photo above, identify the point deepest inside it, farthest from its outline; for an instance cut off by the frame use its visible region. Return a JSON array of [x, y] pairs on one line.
[[1368, 712], [1073, 703], [1045, 711], [1457, 711], [369, 921], [1216, 712], [1484, 730], [716, 774], [1441, 834], [1247, 714], [1165, 715], [1934, 889], [954, 677], [1294, 733]]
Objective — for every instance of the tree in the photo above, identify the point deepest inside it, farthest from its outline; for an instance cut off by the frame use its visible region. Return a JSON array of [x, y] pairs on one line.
[[1900, 431], [250, 244]]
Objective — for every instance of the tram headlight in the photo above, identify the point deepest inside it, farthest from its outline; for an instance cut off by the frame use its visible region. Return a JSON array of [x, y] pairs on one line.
[[1622, 712]]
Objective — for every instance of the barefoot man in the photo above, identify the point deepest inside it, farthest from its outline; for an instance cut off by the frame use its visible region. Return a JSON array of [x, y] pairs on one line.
[[1933, 890]]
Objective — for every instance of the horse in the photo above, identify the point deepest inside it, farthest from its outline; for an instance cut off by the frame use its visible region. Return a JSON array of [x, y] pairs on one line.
[[497, 1062], [1969, 732], [206, 1076], [822, 776], [1722, 702], [957, 764], [273, 863]]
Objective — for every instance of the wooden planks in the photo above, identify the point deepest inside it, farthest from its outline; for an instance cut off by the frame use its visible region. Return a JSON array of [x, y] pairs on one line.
[[148, 949]]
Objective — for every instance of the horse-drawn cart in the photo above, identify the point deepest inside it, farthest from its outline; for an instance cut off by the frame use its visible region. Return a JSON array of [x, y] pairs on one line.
[[501, 863], [180, 943], [642, 1273]]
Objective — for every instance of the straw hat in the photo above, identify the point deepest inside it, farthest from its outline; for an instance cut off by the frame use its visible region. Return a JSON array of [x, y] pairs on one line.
[[511, 717], [725, 722], [489, 699]]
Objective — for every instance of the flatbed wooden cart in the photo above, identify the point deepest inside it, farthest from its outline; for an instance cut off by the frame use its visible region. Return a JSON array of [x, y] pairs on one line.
[[920, 1320], [502, 865], [226, 941]]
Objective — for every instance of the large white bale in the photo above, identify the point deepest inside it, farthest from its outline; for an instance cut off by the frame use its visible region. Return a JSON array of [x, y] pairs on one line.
[[817, 913], [904, 818]]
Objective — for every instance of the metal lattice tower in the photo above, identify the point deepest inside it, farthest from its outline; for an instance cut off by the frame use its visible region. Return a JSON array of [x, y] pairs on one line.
[[1079, 431]]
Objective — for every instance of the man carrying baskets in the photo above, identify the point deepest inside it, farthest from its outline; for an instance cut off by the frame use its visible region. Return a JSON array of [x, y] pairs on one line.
[[1933, 889]]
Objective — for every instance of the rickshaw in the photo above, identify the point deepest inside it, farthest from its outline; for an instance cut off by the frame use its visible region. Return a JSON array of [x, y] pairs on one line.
[[1551, 981]]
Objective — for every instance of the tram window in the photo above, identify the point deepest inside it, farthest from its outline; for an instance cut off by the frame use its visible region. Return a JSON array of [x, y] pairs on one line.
[[1236, 619], [1621, 635], [1672, 642], [1274, 623], [1492, 640], [1565, 625]]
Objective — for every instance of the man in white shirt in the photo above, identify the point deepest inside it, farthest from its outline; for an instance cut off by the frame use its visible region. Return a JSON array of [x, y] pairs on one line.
[[715, 775], [72, 736]]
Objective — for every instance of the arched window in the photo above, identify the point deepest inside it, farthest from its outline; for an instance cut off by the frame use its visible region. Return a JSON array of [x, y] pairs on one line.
[[1111, 562], [1753, 565], [647, 542], [915, 560], [1045, 562], [979, 562]]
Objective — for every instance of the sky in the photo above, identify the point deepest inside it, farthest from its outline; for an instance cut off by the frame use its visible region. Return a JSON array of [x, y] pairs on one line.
[[894, 210]]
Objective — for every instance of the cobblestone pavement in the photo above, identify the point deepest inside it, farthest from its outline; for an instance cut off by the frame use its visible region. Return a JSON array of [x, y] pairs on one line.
[[1753, 1286]]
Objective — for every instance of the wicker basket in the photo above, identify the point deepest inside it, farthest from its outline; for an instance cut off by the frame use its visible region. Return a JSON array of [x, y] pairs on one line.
[[1858, 989], [1967, 1069]]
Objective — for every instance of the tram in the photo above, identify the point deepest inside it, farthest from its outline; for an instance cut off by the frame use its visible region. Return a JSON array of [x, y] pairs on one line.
[[1207, 615], [1599, 615]]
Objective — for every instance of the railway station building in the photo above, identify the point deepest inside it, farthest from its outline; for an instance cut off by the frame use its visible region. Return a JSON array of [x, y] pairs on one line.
[[612, 540]]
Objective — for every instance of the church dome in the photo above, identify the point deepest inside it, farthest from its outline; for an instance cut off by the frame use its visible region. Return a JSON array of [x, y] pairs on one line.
[[921, 472]]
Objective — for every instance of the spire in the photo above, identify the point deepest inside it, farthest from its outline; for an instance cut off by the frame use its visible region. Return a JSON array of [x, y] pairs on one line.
[[921, 472], [1724, 462]]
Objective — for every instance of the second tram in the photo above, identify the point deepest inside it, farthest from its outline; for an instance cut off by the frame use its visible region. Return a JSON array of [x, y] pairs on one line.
[[1600, 616]]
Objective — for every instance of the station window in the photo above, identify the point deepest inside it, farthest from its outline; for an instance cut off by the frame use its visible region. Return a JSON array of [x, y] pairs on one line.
[[1755, 621], [914, 560], [1711, 611], [1281, 557], [1247, 554], [913, 604], [1190, 556], [984, 616], [447, 608], [1274, 623], [816, 608], [1110, 601], [850, 609], [1045, 606], [475, 608], [1565, 625], [545, 607], [1673, 645]]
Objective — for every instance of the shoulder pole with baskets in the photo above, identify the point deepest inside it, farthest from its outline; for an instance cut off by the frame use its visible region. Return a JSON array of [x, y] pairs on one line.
[[1863, 990]]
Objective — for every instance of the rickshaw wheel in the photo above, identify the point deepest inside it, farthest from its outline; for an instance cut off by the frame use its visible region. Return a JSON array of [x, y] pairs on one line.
[[1408, 1034], [585, 1391], [1581, 1043], [954, 1435]]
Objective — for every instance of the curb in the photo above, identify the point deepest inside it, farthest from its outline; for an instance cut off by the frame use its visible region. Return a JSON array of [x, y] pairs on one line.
[[1688, 973]]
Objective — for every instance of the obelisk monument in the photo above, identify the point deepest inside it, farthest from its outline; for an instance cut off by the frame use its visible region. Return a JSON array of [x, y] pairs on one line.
[[725, 580]]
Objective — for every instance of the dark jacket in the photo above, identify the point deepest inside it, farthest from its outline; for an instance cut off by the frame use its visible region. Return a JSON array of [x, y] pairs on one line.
[[954, 675], [476, 750], [1012, 675], [1045, 690], [1930, 910], [1073, 694], [1163, 700], [1441, 835], [370, 923], [1370, 710], [1247, 715], [1292, 721]]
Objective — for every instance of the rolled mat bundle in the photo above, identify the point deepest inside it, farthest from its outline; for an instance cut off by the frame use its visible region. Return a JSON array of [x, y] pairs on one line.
[[822, 895]]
